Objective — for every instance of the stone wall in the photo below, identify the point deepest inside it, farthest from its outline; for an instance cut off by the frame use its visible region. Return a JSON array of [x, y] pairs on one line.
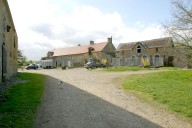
[[8, 43], [110, 48], [71, 60], [180, 59], [168, 56], [80, 59]]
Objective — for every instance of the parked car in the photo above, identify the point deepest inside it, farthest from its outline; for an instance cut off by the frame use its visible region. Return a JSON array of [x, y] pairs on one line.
[[92, 64], [32, 66]]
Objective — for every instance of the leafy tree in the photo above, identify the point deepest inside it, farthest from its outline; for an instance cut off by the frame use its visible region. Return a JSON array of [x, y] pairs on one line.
[[105, 62], [30, 61], [85, 60], [22, 59], [180, 26]]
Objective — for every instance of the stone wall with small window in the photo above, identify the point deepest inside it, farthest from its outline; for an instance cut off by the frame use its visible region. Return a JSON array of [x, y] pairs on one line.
[[79, 60], [8, 43], [70, 60]]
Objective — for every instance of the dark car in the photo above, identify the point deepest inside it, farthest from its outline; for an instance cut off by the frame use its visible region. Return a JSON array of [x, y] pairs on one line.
[[32, 66], [92, 64]]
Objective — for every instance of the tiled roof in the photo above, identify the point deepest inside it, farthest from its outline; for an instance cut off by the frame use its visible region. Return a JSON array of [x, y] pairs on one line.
[[126, 46], [78, 49], [155, 43]]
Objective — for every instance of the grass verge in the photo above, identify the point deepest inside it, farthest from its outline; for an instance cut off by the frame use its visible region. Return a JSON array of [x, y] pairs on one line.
[[170, 88], [124, 68], [22, 102]]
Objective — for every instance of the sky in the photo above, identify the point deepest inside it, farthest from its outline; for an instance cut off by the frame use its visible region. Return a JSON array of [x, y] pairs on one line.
[[43, 25]]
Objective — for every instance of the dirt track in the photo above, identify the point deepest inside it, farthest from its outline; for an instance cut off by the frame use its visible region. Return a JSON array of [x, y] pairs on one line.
[[92, 99]]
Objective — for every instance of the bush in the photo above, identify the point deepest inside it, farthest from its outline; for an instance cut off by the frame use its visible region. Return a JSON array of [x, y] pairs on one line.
[[64, 67], [145, 62]]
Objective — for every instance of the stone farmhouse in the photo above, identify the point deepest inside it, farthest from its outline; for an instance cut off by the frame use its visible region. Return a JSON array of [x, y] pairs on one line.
[[79, 55], [8, 43], [157, 52]]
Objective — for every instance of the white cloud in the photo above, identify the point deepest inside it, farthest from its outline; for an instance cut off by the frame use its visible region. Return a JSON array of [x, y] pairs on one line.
[[136, 34], [45, 24]]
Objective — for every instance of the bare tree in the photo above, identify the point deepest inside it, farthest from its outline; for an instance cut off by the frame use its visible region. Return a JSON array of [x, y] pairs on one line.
[[180, 26]]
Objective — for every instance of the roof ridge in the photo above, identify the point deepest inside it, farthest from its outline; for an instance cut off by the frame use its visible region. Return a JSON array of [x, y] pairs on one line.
[[147, 43], [147, 40], [79, 46], [78, 49]]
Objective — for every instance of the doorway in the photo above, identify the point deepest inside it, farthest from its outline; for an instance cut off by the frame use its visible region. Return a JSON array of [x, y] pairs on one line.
[[133, 61], [4, 62], [157, 61]]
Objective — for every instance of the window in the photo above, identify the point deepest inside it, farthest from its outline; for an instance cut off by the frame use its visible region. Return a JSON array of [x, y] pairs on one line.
[[90, 49], [14, 42], [170, 60], [164, 61], [145, 57], [151, 60], [122, 52], [133, 60], [156, 49], [139, 49]]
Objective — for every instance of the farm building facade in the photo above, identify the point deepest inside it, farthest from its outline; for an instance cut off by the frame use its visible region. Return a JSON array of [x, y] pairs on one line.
[[8, 43], [157, 52], [78, 55]]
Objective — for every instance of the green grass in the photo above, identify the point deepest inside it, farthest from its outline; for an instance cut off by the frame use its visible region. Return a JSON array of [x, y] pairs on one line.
[[171, 88], [124, 68], [22, 102]]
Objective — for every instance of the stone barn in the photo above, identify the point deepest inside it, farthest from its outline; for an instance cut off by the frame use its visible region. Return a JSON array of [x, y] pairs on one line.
[[78, 55], [157, 52], [8, 43]]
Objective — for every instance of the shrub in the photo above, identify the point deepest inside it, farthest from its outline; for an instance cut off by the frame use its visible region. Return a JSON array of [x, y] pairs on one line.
[[145, 62]]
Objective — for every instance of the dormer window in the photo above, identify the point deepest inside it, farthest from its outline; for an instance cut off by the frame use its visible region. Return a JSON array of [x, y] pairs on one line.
[[139, 49], [90, 49], [50, 53]]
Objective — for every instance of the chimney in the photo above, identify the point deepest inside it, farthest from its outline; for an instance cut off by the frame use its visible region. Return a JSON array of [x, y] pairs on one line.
[[110, 39], [91, 42]]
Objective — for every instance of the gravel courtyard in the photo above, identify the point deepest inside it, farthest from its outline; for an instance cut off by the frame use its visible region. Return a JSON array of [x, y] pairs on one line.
[[94, 99]]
